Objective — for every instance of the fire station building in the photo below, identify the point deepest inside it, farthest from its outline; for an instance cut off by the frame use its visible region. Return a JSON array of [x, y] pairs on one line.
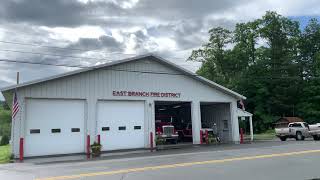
[[120, 102]]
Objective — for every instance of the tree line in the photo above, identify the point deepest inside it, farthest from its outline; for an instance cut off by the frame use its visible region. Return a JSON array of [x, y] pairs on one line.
[[5, 123], [271, 61]]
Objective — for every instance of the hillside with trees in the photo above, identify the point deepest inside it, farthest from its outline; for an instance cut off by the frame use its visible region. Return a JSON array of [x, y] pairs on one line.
[[5, 123], [271, 61]]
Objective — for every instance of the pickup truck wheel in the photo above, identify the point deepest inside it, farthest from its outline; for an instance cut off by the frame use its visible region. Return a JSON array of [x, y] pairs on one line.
[[283, 138], [299, 136]]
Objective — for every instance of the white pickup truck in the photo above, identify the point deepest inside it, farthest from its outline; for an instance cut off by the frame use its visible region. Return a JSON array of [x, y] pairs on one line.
[[315, 131], [299, 131]]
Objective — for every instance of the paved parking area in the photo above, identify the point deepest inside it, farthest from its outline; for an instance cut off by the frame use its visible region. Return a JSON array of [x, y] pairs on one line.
[[260, 160]]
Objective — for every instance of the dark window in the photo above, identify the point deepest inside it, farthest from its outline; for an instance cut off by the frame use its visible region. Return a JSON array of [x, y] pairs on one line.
[[225, 124], [56, 130], [298, 125], [105, 128], [75, 129], [122, 128], [137, 127], [34, 131]]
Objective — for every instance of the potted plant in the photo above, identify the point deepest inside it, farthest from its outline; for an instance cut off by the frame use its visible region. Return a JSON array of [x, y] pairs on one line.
[[160, 142], [96, 149], [211, 139]]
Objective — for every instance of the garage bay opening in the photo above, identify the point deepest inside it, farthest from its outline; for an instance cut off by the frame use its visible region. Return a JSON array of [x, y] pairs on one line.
[[216, 122], [173, 122]]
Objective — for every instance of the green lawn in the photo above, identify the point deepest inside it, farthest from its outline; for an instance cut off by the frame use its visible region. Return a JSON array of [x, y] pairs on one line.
[[268, 135], [5, 153]]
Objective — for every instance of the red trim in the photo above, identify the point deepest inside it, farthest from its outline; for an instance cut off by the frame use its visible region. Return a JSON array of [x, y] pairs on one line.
[[151, 141], [201, 137], [21, 150], [207, 137], [98, 138], [88, 146]]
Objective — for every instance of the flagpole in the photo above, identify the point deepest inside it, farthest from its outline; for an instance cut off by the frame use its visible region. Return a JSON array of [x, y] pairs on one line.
[[12, 126], [20, 123], [13, 118]]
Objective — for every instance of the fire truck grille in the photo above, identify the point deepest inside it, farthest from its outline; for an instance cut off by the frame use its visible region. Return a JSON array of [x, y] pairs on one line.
[[168, 130]]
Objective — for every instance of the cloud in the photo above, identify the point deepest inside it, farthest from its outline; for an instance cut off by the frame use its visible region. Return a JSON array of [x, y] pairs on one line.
[[56, 13], [116, 29], [106, 42], [182, 9]]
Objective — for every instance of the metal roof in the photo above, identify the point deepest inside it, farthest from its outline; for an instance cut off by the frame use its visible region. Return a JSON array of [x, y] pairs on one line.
[[291, 119], [154, 57], [243, 113]]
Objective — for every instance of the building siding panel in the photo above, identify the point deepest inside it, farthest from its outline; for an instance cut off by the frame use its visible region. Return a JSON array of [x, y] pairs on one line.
[[99, 84]]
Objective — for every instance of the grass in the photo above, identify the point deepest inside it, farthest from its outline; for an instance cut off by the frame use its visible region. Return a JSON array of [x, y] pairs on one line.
[[268, 135], [5, 154]]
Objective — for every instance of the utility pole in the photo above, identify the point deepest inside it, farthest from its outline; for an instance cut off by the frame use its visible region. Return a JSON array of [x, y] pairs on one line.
[[18, 78]]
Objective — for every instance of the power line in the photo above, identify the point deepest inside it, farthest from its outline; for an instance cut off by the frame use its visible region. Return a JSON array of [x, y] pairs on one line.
[[40, 45], [47, 54], [57, 47], [79, 57], [87, 67], [46, 46], [135, 71], [67, 56], [40, 63]]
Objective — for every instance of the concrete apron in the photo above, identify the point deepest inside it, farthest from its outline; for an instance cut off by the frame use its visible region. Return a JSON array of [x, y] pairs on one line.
[[118, 154]]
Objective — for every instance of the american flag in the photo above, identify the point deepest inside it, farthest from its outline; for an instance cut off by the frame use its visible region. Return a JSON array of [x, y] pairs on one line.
[[15, 105]]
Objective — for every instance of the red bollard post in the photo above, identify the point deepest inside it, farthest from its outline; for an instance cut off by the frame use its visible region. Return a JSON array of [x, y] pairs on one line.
[[151, 141], [21, 150], [207, 137], [201, 137], [98, 138], [241, 136], [88, 146]]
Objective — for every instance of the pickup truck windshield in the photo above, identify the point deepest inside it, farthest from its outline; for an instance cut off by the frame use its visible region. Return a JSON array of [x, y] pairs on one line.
[[295, 125]]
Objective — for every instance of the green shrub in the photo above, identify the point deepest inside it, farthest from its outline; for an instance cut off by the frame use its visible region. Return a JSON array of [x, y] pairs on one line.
[[160, 141], [4, 140], [96, 149], [5, 122]]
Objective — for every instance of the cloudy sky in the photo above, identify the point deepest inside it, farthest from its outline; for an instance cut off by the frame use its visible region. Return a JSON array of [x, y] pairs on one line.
[[89, 32]]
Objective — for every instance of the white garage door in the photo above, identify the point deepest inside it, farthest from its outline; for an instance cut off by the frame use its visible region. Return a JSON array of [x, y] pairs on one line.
[[54, 127], [121, 124]]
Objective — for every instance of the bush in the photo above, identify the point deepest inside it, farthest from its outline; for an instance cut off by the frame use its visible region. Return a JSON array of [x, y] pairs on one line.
[[4, 140], [5, 122], [96, 149]]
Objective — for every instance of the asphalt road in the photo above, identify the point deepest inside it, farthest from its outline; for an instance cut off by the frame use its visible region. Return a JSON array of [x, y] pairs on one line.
[[264, 160]]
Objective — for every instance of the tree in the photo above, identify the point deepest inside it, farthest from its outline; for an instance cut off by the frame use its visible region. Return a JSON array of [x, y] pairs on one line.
[[271, 62], [281, 56], [309, 106], [5, 122], [214, 56]]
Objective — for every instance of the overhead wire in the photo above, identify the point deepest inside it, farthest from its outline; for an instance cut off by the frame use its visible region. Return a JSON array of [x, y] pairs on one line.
[[48, 54], [57, 47], [134, 71]]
